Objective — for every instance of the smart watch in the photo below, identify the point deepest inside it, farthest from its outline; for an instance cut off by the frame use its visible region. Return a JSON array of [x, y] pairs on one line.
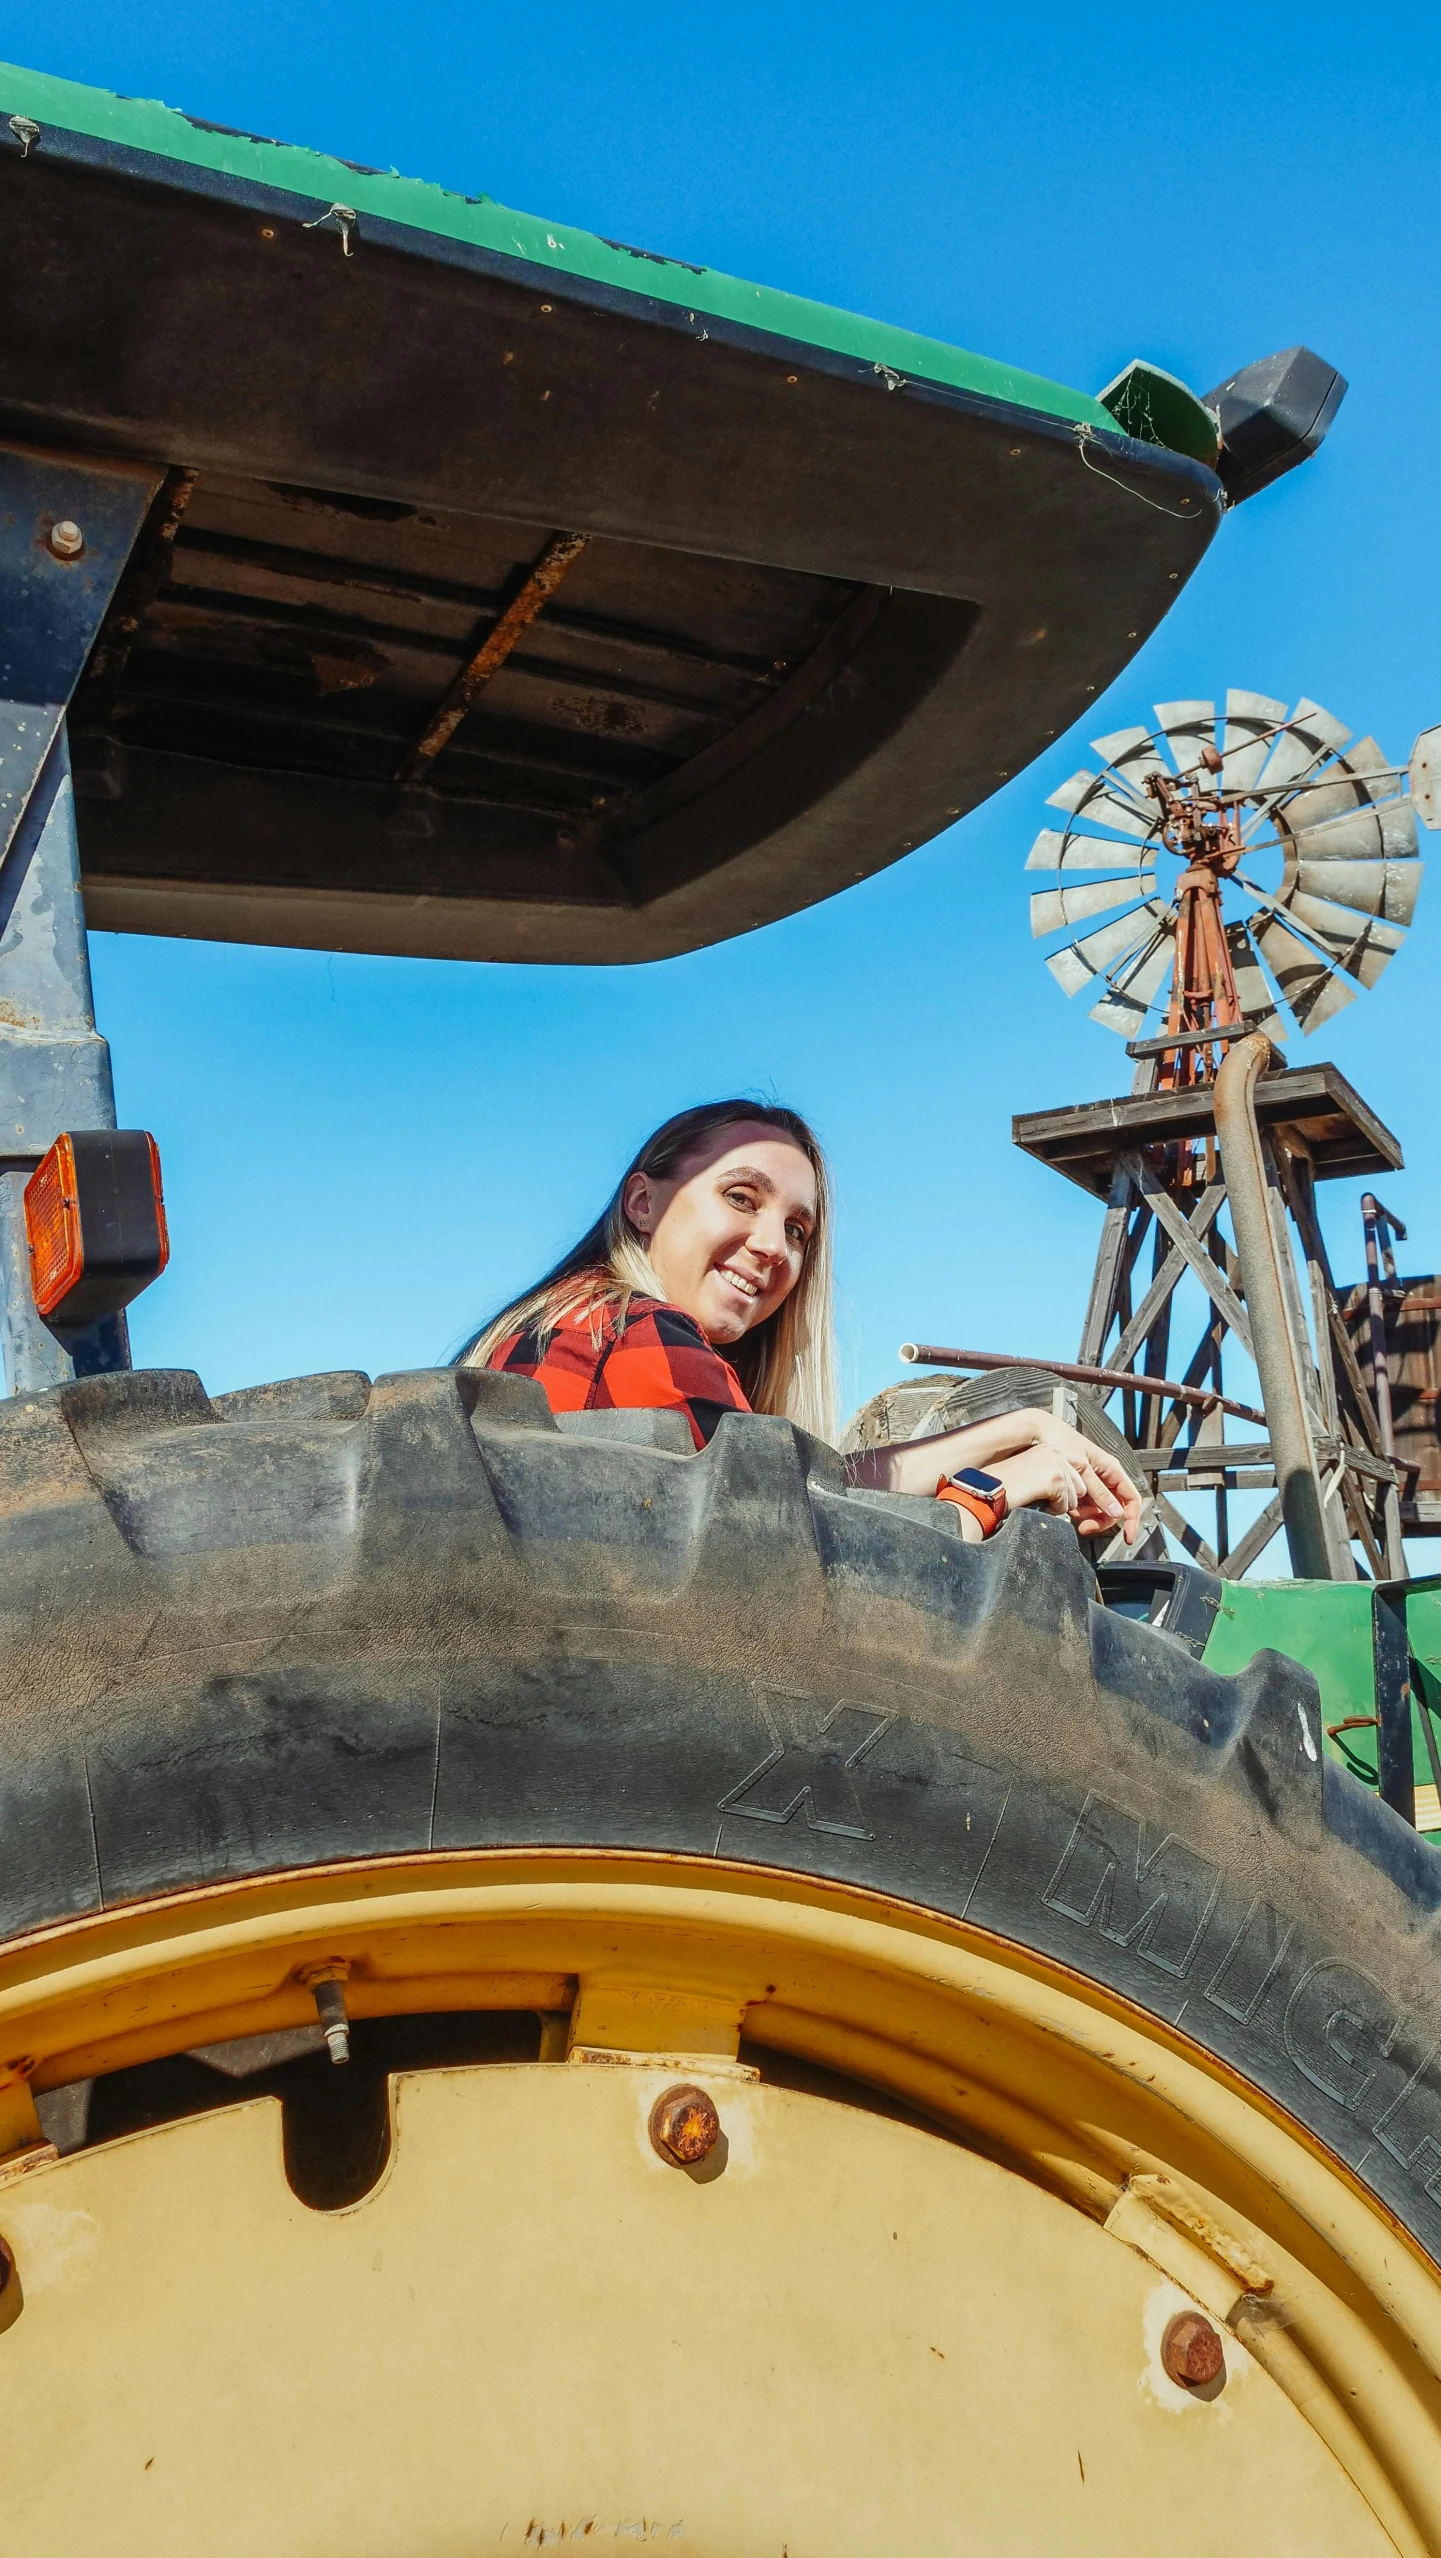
[[984, 1495]]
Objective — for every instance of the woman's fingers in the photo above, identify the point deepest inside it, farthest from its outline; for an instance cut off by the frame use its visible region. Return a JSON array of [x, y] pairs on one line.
[[1122, 1493], [1113, 1473], [1102, 1499], [1115, 1500], [1041, 1477]]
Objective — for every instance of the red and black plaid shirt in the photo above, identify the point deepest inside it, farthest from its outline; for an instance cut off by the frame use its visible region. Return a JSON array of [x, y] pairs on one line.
[[659, 1360]]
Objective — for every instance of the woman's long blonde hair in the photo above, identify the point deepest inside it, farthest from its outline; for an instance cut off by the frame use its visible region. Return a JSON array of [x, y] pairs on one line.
[[786, 1365]]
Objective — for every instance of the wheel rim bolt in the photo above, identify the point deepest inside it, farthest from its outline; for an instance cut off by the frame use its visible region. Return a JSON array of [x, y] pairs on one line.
[[1192, 2353], [684, 2126], [325, 1982]]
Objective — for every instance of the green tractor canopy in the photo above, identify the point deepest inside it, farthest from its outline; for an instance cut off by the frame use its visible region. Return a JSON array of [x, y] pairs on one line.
[[512, 593]]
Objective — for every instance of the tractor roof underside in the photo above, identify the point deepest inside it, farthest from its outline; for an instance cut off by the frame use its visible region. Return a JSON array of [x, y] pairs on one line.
[[838, 582]]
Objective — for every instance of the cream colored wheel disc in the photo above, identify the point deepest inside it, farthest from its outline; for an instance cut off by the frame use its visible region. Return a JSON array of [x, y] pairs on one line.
[[857, 2337], [844, 2332]]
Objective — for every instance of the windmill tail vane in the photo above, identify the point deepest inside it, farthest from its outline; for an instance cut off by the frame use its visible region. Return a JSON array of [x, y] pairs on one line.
[[1256, 870]]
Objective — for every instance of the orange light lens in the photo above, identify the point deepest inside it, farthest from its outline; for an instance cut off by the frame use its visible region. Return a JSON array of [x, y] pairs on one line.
[[52, 1227], [159, 1204]]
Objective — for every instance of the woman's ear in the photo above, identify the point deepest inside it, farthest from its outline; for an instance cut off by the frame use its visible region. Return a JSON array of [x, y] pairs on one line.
[[637, 1204]]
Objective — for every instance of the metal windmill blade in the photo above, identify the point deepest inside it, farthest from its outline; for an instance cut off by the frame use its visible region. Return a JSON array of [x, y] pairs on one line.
[[1303, 975], [1132, 754], [1233, 802], [1385, 833], [1084, 961], [1137, 983], [1310, 734], [1258, 1009], [1352, 873], [1252, 723], [1104, 800], [1362, 945], [1357, 776], [1371, 888], [1053, 850], [1188, 728], [1051, 908]]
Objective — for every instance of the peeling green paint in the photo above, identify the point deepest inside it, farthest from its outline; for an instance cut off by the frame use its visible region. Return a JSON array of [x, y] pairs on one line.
[[143, 125]]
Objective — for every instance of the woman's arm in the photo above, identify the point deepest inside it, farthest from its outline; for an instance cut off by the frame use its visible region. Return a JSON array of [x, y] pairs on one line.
[[1042, 1462]]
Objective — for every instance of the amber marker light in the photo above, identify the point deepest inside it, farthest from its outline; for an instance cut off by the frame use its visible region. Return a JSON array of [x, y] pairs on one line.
[[95, 1224]]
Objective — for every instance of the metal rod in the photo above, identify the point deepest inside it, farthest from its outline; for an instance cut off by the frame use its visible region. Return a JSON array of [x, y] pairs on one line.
[[1379, 1225], [1428, 1731], [1391, 1672], [924, 1355], [1390, 1226], [1185, 1039], [1274, 1348], [552, 565], [1372, 1213]]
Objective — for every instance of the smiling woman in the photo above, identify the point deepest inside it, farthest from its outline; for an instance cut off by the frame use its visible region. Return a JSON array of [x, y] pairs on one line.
[[705, 1287]]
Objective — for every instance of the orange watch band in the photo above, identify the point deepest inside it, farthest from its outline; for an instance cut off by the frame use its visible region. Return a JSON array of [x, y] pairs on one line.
[[979, 1508]]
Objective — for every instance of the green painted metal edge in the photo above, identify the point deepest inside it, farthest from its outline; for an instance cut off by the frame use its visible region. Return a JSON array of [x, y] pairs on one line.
[[1326, 1625], [144, 125], [1152, 406]]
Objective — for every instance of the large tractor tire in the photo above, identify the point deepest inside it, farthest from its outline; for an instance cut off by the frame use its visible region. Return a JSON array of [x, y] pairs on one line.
[[1070, 2024]]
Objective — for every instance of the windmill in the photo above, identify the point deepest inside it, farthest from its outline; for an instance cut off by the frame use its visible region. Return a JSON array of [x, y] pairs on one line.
[[1292, 856], [1211, 876]]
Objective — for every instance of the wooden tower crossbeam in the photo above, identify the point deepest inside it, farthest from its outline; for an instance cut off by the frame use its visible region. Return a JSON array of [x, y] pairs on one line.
[[1153, 1157]]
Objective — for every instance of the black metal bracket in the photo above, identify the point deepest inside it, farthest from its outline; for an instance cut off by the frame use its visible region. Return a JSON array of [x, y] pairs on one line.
[[67, 527], [1396, 1694]]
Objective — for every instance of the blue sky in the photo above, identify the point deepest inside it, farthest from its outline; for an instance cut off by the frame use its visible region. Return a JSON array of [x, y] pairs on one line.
[[364, 1155]]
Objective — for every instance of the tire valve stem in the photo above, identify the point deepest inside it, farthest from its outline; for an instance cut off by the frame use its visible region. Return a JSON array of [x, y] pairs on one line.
[[325, 1982]]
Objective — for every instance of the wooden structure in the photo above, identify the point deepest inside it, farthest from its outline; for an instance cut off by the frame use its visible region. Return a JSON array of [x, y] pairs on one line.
[[1411, 1319], [1153, 1158]]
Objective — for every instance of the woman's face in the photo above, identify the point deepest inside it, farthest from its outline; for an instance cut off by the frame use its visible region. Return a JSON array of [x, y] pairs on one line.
[[727, 1233]]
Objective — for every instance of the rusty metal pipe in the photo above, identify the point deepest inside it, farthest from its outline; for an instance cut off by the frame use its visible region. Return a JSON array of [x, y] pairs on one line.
[[1372, 1213], [559, 556], [1379, 1225], [1244, 1166], [924, 1354]]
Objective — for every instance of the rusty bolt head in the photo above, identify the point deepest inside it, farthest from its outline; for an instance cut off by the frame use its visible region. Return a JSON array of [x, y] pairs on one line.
[[684, 2126], [66, 539], [1191, 2351]]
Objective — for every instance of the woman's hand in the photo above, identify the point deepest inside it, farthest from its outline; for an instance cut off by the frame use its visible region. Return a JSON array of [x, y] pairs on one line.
[[1041, 1478], [1044, 1464], [1105, 1495]]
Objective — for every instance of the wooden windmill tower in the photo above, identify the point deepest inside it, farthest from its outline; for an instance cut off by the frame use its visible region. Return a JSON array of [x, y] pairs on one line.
[[1247, 874]]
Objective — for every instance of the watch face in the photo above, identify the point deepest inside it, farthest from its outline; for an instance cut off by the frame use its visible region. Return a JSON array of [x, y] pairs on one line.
[[974, 1480]]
